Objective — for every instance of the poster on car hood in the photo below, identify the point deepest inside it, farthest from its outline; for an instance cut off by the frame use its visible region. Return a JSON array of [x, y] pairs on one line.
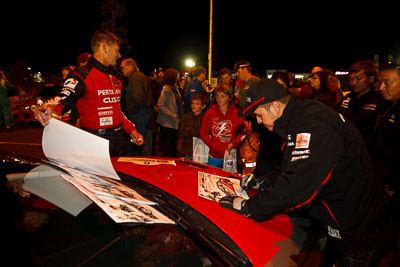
[[214, 187]]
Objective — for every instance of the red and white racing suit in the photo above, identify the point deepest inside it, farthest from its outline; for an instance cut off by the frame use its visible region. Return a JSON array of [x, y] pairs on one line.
[[93, 93]]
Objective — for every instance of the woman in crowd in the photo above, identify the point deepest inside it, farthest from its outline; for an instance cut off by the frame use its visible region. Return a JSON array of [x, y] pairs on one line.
[[170, 114], [319, 83]]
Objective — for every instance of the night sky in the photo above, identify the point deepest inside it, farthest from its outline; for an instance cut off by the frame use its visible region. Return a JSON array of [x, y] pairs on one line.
[[294, 37]]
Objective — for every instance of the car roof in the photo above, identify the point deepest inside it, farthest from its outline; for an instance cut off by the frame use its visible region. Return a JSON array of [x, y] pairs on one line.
[[258, 241]]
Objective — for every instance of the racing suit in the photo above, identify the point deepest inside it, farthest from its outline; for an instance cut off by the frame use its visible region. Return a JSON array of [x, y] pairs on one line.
[[93, 93], [327, 175]]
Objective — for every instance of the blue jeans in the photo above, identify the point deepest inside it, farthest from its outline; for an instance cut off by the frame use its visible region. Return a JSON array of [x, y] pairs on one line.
[[142, 121], [215, 162]]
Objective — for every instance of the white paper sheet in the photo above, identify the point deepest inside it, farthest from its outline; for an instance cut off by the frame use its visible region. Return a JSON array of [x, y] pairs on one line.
[[78, 149], [46, 182]]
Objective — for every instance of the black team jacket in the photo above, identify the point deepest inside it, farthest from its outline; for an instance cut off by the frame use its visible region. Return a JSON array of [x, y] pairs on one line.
[[327, 174]]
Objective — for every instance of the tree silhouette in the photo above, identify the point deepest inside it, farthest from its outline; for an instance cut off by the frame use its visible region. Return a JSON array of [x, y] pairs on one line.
[[113, 11]]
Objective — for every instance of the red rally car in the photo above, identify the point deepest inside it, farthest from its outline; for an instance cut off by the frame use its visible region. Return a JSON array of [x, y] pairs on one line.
[[204, 234]]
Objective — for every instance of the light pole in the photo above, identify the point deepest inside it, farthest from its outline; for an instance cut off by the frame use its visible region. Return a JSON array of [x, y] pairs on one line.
[[210, 42]]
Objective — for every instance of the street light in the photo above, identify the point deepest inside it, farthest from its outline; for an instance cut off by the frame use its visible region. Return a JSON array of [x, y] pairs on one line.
[[190, 63]]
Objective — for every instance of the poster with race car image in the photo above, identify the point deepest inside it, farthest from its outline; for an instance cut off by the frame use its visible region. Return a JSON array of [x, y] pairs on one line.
[[214, 187], [122, 204]]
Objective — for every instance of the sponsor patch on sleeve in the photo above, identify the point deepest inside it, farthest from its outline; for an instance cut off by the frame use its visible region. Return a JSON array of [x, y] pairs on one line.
[[70, 84], [302, 140]]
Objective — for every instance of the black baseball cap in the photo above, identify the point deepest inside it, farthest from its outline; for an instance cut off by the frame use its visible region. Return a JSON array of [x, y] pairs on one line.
[[262, 92], [241, 64]]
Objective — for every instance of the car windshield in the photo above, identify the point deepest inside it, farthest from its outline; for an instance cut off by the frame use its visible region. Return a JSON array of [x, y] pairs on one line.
[[52, 235]]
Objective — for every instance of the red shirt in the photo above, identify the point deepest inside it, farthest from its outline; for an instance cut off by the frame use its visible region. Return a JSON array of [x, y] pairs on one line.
[[219, 130]]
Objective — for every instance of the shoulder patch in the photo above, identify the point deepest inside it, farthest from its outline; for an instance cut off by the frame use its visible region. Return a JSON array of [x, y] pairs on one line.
[[70, 84]]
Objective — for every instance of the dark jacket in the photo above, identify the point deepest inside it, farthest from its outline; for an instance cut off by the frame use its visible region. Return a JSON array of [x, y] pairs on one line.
[[324, 96], [363, 112], [386, 152], [189, 128], [137, 92], [327, 174], [194, 87]]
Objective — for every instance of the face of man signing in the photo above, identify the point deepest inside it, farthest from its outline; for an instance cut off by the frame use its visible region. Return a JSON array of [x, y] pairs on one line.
[[267, 117]]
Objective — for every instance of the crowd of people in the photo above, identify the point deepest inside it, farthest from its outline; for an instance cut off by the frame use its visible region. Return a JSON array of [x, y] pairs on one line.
[[355, 135]]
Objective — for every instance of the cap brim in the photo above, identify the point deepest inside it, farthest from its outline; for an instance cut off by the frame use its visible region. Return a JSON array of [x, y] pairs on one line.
[[251, 107]]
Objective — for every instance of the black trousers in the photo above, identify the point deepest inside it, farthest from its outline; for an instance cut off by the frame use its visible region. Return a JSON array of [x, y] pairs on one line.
[[118, 142], [168, 141]]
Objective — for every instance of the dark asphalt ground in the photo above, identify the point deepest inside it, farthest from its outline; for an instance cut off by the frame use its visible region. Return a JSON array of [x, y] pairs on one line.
[[25, 139]]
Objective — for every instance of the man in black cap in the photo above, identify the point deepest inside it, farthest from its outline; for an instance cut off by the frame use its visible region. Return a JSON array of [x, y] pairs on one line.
[[326, 175], [243, 73]]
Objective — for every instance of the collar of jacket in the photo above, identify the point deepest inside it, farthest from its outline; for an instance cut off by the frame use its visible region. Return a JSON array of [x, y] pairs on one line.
[[196, 82], [362, 98], [132, 72], [282, 124], [99, 66]]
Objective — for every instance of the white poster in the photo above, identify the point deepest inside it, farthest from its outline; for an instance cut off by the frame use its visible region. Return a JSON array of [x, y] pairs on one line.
[[214, 187], [121, 203], [77, 148]]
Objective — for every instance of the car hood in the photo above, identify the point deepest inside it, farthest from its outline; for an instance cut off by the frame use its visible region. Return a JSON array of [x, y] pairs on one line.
[[259, 241]]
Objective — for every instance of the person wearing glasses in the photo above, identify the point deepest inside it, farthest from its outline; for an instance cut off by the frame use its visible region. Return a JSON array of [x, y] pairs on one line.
[[386, 154]]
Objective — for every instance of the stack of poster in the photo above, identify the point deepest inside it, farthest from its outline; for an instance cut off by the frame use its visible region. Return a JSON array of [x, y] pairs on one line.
[[86, 160], [121, 203]]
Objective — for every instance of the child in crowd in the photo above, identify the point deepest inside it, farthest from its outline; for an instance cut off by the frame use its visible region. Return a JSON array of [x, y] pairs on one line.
[[190, 126], [221, 128]]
